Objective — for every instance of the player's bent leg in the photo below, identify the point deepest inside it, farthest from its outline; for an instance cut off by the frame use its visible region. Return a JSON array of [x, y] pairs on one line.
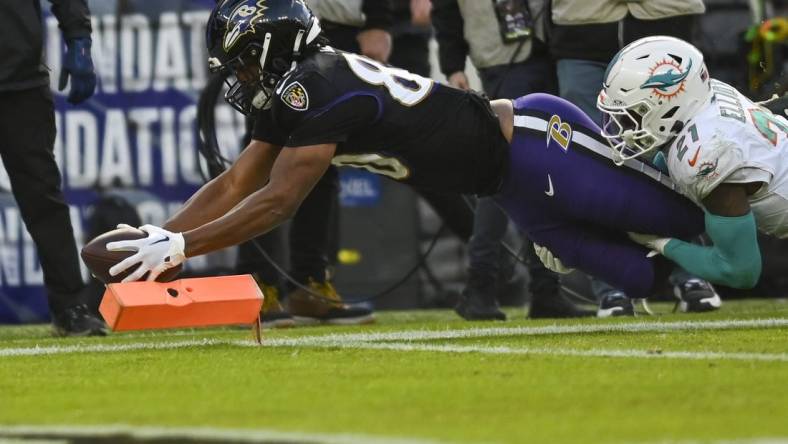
[[606, 255], [597, 251]]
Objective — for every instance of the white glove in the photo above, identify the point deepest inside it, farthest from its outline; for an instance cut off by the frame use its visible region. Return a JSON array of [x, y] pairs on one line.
[[655, 243], [156, 253], [551, 262]]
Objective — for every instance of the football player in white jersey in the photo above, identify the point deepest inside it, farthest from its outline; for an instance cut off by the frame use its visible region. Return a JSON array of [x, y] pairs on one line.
[[726, 153]]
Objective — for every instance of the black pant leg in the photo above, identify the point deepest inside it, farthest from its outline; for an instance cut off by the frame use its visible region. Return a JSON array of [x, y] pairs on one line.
[[250, 260], [27, 136], [452, 209], [311, 230]]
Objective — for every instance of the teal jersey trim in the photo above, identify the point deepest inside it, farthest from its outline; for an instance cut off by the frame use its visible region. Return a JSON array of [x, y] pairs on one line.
[[734, 259], [660, 162]]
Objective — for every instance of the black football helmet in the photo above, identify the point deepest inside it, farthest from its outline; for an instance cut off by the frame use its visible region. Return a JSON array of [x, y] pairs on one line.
[[255, 42]]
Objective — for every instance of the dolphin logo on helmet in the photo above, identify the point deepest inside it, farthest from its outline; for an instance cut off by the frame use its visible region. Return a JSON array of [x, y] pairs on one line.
[[668, 79]]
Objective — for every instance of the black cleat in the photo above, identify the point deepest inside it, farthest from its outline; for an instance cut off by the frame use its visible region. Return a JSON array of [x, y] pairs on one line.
[[77, 321], [696, 295], [477, 304], [615, 303], [555, 305]]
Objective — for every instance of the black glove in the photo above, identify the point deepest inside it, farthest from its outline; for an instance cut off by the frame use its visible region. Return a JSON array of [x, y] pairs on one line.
[[79, 65]]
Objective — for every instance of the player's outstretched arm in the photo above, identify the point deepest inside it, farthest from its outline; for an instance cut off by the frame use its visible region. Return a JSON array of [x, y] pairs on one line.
[[734, 259], [293, 175], [248, 174]]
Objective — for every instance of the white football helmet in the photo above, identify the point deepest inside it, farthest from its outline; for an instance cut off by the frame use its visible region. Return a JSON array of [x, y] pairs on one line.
[[652, 87]]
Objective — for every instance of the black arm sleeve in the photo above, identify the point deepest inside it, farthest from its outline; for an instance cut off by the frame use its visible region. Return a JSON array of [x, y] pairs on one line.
[[73, 17], [452, 47], [378, 13], [266, 130]]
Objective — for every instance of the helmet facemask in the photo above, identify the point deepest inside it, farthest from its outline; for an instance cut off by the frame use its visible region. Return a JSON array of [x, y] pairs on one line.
[[623, 127], [250, 86]]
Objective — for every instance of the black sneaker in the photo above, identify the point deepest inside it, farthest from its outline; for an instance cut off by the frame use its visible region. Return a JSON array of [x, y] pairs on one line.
[[555, 305], [615, 303], [696, 295], [77, 321], [479, 304]]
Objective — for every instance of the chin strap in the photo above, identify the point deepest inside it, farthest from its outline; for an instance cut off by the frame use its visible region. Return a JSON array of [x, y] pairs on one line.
[[262, 98], [297, 47]]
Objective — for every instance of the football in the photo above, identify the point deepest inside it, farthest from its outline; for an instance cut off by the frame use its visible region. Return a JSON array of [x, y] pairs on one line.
[[99, 260]]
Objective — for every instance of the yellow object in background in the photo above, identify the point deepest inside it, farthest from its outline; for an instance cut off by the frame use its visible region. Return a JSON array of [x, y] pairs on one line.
[[764, 39], [349, 257], [774, 30]]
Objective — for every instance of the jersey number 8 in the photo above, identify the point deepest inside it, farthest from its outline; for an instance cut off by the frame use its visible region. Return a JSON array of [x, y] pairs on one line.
[[406, 88]]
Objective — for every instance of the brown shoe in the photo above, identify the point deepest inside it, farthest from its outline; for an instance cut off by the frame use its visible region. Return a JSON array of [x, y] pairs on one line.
[[272, 314], [327, 308]]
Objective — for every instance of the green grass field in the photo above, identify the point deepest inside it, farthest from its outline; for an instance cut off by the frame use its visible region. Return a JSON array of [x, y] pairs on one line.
[[421, 376]]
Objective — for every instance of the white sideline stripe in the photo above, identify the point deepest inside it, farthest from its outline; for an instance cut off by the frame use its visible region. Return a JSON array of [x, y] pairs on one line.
[[234, 435], [101, 348], [319, 342], [405, 346], [334, 340], [555, 329], [593, 352], [257, 435], [628, 327]]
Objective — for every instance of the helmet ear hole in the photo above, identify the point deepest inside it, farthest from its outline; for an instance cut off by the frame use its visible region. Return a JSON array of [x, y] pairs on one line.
[[670, 113]]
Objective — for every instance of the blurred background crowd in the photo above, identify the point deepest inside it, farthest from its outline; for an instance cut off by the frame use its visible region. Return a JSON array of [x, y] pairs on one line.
[[157, 128]]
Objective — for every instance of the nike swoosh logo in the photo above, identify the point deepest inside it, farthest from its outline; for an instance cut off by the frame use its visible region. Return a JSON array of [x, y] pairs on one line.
[[164, 239], [550, 191], [694, 159]]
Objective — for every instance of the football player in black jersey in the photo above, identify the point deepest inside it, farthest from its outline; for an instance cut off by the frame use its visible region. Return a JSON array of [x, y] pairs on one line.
[[315, 106]]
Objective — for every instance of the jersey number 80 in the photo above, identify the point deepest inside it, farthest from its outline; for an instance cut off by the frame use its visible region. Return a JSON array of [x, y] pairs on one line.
[[404, 87]]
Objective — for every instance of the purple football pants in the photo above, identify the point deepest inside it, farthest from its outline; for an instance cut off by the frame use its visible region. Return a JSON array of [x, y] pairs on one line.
[[567, 195]]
